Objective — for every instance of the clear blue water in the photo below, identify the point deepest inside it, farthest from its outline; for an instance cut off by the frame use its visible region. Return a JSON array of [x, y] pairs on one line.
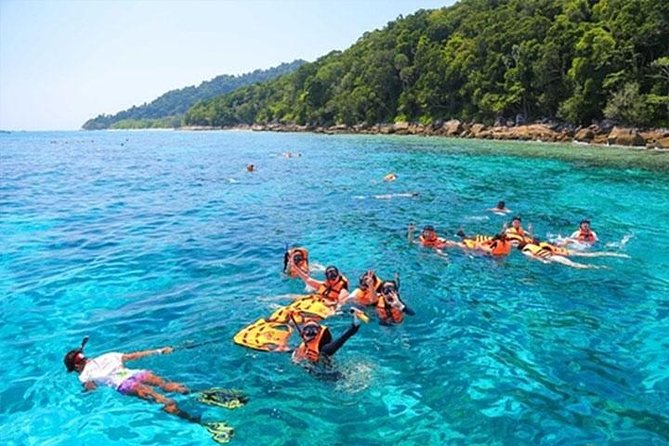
[[145, 239]]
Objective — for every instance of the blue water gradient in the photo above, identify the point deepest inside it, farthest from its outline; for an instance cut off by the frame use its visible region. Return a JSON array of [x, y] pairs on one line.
[[145, 239]]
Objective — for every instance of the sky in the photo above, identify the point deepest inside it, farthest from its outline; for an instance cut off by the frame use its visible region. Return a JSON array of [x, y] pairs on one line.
[[63, 62]]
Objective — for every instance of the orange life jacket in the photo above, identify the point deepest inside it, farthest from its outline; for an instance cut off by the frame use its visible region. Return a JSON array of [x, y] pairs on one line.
[[499, 247], [554, 249], [517, 235], [387, 313], [428, 243], [587, 237], [537, 250], [370, 297], [303, 264], [331, 292], [310, 350]]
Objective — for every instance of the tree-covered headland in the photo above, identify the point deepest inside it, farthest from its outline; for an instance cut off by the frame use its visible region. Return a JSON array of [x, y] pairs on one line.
[[575, 61], [168, 110]]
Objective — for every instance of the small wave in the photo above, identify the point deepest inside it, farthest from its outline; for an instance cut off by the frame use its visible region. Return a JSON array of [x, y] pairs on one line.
[[621, 243]]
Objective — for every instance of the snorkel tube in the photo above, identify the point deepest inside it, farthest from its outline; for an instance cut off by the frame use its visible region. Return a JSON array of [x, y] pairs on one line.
[[285, 257], [84, 341], [71, 356]]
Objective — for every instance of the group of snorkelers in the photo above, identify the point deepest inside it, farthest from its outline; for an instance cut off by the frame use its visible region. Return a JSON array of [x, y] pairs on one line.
[[371, 292], [514, 235], [317, 342]]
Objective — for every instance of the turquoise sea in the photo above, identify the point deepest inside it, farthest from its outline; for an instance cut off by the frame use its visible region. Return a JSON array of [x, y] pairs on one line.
[[146, 239]]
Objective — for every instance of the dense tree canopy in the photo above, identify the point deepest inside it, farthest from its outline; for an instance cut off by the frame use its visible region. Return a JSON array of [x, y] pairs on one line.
[[168, 109], [574, 60]]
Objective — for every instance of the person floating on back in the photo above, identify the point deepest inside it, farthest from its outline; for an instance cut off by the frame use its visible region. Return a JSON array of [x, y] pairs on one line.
[[500, 209], [389, 307], [429, 238], [584, 234], [109, 370], [534, 250]]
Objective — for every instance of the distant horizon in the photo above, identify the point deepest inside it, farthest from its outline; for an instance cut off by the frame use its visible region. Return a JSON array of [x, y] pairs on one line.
[[59, 67]]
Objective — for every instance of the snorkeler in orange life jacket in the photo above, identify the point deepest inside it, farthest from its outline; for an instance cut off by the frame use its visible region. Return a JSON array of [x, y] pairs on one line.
[[496, 246], [584, 234], [389, 308], [429, 238], [334, 289], [369, 285], [317, 341], [516, 234], [300, 260]]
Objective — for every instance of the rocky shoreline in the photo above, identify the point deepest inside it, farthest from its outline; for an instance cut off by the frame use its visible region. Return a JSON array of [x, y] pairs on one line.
[[551, 132]]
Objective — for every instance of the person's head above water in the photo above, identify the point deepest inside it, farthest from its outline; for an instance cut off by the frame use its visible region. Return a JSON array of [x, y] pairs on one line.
[[364, 277], [310, 330], [501, 205], [584, 224], [429, 232], [331, 273], [75, 359], [515, 221]]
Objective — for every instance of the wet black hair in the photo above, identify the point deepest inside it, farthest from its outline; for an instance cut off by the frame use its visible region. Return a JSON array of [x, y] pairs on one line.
[[331, 268], [517, 218], [69, 359], [70, 356], [461, 234], [428, 228], [501, 205], [362, 281], [585, 220], [390, 283]]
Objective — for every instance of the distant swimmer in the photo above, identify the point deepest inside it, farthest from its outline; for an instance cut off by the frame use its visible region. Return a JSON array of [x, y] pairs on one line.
[[250, 168], [369, 285], [500, 209], [389, 308], [390, 177], [398, 195], [291, 154], [534, 250], [317, 343], [584, 234], [295, 258], [334, 289], [109, 370], [516, 234]]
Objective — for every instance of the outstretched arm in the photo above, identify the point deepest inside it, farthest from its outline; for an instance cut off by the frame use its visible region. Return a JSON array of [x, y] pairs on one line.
[[410, 232], [303, 275], [331, 348], [144, 353]]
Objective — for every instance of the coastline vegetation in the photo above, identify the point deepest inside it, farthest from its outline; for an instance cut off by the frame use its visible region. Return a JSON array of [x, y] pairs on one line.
[[167, 110], [572, 61]]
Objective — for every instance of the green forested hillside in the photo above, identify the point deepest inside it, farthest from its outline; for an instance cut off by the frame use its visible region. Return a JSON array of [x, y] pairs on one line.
[[572, 60], [168, 109]]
